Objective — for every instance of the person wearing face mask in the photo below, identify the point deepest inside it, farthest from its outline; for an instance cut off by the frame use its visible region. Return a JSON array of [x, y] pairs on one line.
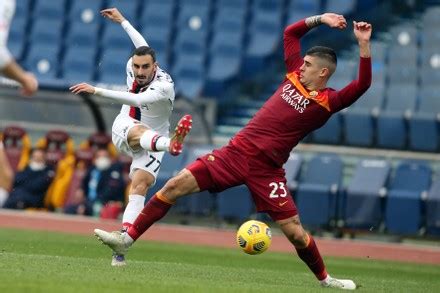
[[103, 184], [31, 184]]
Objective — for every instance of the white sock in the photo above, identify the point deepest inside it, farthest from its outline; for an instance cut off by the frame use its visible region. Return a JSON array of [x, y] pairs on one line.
[[152, 141], [326, 280], [133, 208], [127, 239]]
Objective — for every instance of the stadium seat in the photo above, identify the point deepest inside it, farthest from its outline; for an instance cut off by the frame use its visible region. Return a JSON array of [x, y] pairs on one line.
[[189, 75], [157, 14], [43, 61], [391, 123], [234, 204], [115, 37], [22, 9], [49, 9], [17, 146], [46, 32], [79, 64], [330, 132], [403, 213], [300, 9], [293, 168], [225, 62], [424, 127], [433, 209], [229, 20], [363, 200], [343, 7], [17, 37], [404, 35], [360, 118], [83, 35], [128, 8], [232, 4], [190, 42], [265, 36], [112, 69], [431, 17], [194, 17], [158, 38], [86, 11], [429, 76], [317, 193]]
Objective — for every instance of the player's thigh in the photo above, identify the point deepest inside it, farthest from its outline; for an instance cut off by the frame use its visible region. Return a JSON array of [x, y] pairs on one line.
[[269, 190], [184, 183], [121, 128]]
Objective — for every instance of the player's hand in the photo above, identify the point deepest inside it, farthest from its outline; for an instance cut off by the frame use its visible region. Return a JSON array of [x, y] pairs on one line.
[[30, 84], [334, 20], [82, 88], [113, 14], [362, 31]]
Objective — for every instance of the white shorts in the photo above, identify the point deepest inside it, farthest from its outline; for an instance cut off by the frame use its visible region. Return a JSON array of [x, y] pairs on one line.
[[142, 159]]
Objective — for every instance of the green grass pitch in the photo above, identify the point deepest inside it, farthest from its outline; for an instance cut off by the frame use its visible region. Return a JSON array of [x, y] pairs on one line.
[[52, 262]]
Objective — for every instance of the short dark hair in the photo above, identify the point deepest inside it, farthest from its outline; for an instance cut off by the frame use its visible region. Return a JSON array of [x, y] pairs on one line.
[[325, 53], [144, 50]]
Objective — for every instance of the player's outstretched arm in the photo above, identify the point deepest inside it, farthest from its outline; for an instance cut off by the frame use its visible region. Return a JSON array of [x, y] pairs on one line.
[[362, 31], [114, 15], [333, 20], [27, 80], [126, 98]]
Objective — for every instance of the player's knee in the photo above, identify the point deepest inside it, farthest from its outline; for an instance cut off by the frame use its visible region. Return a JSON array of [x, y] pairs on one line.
[[294, 231], [178, 186]]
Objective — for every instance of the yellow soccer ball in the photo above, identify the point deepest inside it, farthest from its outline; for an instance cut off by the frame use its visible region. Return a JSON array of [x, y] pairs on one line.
[[254, 237]]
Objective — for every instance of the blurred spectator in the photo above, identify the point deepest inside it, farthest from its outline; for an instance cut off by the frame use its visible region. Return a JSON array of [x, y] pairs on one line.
[[103, 185], [31, 184], [8, 66], [6, 175]]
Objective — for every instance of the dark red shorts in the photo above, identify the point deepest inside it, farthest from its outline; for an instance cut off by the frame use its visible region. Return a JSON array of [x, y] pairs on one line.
[[239, 163]]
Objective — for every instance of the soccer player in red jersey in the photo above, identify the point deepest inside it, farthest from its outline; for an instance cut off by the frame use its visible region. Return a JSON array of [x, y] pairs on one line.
[[301, 104]]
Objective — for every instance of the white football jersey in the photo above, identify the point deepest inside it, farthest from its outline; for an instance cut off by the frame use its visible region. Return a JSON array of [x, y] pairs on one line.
[[155, 114], [7, 8]]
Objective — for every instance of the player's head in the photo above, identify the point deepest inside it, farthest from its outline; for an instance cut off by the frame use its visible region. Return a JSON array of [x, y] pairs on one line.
[[144, 64], [319, 64]]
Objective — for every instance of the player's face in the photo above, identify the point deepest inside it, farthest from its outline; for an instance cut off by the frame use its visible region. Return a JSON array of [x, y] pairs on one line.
[[144, 68], [310, 71]]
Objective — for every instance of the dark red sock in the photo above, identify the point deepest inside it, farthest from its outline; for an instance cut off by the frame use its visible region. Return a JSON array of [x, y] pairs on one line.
[[311, 256], [153, 211], [126, 226]]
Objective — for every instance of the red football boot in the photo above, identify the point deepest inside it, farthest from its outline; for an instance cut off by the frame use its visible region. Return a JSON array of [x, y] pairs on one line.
[[182, 129]]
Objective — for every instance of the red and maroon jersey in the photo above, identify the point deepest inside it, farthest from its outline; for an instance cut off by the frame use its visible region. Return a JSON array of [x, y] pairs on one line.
[[292, 112]]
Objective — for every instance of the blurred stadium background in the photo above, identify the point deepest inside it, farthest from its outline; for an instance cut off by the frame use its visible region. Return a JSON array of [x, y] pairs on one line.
[[374, 167]]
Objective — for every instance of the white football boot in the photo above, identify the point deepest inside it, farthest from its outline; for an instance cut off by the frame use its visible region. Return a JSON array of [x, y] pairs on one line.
[[330, 282], [114, 240]]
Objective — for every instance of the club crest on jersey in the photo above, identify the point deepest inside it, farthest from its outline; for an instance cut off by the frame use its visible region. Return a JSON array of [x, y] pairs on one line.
[[294, 98]]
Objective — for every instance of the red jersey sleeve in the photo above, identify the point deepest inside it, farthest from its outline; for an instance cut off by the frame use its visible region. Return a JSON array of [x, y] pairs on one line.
[[354, 90], [292, 46]]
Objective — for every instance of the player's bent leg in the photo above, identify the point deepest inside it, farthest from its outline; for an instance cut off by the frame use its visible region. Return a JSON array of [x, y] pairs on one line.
[[308, 252], [182, 184]]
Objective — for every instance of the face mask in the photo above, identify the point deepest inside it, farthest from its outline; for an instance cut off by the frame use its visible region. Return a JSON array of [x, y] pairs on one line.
[[103, 163], [36, 166]]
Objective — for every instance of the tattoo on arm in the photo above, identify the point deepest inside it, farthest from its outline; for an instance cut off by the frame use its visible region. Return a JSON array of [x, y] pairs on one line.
[[313, 21]]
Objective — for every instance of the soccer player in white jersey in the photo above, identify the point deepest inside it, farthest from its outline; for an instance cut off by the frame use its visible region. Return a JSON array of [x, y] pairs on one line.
[[141, 129], [8, 66]]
